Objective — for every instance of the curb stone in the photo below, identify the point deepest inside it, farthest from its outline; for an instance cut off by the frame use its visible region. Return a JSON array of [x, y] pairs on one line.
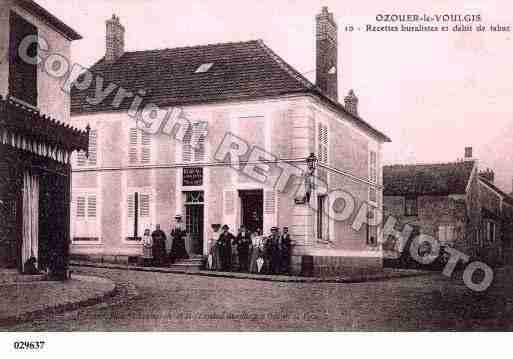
[[265, 278], [64, 307]]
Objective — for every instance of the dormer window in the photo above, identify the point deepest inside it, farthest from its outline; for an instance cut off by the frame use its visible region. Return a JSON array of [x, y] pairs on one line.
[[204, 68]]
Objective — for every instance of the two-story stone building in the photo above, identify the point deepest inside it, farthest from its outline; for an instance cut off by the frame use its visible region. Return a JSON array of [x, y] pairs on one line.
[[36, 140], [245, 93], [454, 203]]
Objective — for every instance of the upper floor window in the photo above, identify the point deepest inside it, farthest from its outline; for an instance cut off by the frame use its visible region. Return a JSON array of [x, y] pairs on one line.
[[193, 149], [373, 167], [446, 233], [323, 149], [82, 160], [139, 143], [22, 73], [489, 232], [411, 206], [86, 207]]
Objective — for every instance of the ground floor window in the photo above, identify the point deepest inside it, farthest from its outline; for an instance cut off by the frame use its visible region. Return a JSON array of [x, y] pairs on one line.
[[139, 214], [322, 218]]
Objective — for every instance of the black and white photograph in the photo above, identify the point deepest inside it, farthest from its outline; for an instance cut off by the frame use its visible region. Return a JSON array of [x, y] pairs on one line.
[[273, 166]]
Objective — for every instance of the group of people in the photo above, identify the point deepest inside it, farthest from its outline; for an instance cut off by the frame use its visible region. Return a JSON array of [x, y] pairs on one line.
[[160, 250], [245, 252], [250, 252]]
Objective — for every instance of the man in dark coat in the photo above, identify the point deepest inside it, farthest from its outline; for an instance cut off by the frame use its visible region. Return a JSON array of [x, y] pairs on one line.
[[225, 243], [159, 246], [243, 241], [178, 233], [286, 250], [273, 251]]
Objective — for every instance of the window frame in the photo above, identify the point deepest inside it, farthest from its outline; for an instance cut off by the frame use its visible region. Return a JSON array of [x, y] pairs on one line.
[[415, 211]]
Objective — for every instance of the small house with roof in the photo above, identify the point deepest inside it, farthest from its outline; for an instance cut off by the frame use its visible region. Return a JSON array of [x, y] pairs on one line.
[[454, 203]]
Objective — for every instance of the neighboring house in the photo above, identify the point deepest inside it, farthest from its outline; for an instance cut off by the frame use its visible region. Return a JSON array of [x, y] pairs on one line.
[[36, 141], [453, 203], [133, 180]]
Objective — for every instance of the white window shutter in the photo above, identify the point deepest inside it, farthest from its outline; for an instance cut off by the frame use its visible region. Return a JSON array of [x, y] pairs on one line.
[[144, 205], [146, 147], [269, 202], [93, 147], [81, 158], [132, 146], [131, 205], [81, 207], [91, 206]]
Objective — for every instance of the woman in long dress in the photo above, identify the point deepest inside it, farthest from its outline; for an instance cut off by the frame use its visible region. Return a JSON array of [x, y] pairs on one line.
[[213, 260], [147, 247], [256, 251]]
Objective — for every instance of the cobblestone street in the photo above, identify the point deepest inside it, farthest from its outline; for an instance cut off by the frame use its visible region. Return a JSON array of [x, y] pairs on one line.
[[169, 302]]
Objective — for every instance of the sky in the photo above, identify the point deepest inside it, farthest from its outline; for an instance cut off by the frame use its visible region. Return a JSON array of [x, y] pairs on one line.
[[433, 94]]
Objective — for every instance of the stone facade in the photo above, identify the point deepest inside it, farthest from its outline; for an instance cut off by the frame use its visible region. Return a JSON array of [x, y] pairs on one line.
[[286, 127], [465, 216]]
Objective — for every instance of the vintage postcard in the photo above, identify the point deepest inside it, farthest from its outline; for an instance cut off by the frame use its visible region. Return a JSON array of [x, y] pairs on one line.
[[264, 166]]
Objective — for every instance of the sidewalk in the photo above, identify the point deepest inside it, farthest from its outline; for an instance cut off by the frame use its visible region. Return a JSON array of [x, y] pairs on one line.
[[387, 273], [23, 301]]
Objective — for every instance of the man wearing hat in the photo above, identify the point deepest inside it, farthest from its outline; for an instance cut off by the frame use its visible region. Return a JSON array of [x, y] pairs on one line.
[[286, 250], [178, 233], [273, 251], [225, 245]]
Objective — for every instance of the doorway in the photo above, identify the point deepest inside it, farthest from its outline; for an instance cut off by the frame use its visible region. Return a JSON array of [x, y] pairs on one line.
[[252, 209], [194, 219]]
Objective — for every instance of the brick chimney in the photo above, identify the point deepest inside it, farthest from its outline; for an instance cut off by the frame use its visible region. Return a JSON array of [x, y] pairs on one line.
[[488, 175], [351, 103], [114, 40], [326, 53], [468, 153]]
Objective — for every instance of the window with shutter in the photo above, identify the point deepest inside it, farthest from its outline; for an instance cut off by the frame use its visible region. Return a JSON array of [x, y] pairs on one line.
[[132, 143], [131, 205], [322, 139], [269, 202], [145, 147], [82, 160], [144, 205], [81, 207], [91, 206], [93, 147], [373, 170], [193, 146]]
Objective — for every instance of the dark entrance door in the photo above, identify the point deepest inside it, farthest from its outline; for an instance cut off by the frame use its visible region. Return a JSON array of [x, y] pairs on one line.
[[194, 215], [252, 209], [53, 221]]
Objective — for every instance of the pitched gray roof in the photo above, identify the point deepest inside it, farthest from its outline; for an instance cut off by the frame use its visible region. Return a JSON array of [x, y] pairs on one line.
[[427, 179], [240, 71]]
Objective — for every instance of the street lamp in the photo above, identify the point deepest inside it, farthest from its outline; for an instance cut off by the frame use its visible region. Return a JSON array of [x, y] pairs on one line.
[[311, 164]]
